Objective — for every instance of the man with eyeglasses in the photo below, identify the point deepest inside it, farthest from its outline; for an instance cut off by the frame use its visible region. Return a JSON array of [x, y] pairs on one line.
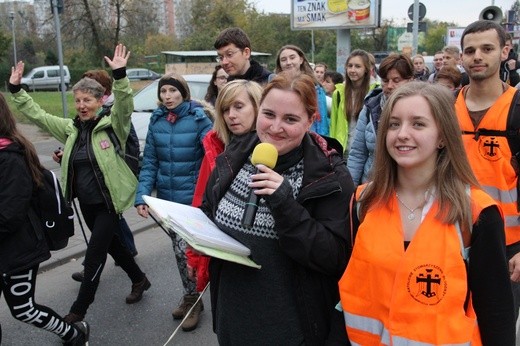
[[234, 55]]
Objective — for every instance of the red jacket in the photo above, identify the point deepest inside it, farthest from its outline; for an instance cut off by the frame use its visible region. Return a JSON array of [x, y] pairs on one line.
[[213, 146]]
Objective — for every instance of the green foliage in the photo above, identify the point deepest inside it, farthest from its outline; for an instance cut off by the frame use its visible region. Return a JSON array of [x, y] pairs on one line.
[[27, 51], [327, 52], [5, 46], [435, 39], [5, 72], [51, 58]]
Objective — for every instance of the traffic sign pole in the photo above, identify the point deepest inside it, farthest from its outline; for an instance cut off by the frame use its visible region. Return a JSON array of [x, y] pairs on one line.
[[415, 27]]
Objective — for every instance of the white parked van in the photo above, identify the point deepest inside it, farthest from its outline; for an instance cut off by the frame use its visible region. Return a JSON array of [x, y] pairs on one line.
[[45, 78]]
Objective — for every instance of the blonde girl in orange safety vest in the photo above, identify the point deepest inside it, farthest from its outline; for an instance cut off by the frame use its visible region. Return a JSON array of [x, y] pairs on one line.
[[428, 266]]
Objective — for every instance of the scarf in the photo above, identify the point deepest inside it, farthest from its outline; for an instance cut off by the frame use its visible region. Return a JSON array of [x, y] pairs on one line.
[[173, 114]]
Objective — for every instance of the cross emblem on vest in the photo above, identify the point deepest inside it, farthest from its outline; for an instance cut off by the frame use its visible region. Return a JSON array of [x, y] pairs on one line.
[[429, 281], [492, 144]]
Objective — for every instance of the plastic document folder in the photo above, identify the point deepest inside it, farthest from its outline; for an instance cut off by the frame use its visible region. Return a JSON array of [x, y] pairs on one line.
[[199, 231]]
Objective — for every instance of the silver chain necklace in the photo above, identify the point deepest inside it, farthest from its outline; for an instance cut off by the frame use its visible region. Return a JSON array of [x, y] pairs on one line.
[[411, 216]]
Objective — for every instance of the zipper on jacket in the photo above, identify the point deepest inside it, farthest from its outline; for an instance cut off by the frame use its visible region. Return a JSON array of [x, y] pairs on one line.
[[90, 154]]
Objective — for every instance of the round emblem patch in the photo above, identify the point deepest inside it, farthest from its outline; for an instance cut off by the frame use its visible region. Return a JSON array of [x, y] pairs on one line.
[[427, 284], [489, 148]]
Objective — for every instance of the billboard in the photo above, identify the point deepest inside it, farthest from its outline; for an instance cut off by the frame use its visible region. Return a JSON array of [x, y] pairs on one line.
[[453, 36], [334, 14]]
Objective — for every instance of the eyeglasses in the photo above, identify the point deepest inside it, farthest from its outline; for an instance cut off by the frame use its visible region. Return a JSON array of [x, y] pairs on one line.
[[222, 78], [228, 55]]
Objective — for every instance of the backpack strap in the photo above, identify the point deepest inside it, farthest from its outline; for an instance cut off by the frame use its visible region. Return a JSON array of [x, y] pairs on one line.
[[464, 245], [513, 140], [115, 141], [354, 219], [513, 126]]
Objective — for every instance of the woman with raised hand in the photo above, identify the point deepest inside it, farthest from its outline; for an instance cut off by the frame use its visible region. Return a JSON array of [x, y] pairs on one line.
[[298, 236], [93, 172], [428, 265]]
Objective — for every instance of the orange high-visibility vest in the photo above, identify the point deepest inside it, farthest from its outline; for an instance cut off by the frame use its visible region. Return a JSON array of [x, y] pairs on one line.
[[391, 296], [490, 158]]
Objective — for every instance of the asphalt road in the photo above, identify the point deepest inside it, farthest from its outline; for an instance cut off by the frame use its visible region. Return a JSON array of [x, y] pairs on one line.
[[112, 321]]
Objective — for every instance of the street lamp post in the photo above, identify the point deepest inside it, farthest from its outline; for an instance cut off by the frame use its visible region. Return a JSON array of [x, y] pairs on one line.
[[11, 15]]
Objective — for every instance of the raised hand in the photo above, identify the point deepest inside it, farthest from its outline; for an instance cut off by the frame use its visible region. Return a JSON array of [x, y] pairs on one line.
[[120, 58], [17, 73]]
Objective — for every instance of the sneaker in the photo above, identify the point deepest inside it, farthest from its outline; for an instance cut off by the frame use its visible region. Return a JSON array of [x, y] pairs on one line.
[[78, 276], [73, 318], [81, 339], [138, 290], [192, 321]]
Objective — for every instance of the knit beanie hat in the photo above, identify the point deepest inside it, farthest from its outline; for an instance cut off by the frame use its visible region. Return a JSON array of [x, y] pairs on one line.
[[169, 80]]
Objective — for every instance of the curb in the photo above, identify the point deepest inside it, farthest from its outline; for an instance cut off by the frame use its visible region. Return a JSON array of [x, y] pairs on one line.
[[66, 255]]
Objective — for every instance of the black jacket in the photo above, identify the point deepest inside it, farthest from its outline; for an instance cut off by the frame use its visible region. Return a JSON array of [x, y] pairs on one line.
[[21, 245], [507, 75], [256, 73], [312, 229]]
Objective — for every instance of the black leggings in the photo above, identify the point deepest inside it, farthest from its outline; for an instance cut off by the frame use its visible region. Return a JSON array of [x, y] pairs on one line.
[[103, 224], [18, 292]]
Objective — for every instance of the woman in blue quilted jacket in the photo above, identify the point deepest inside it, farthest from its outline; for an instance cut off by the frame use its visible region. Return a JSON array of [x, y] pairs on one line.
[[172, 157]]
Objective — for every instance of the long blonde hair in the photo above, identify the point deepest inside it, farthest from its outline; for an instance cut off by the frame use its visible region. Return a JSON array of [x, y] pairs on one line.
[[453, 172]]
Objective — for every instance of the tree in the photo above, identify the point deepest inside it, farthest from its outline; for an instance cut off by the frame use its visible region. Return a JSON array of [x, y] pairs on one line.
[[5, 45], [434, 41], [98, 25], [51, 58]]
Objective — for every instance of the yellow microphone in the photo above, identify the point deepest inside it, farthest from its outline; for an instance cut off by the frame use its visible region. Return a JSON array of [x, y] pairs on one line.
[[267, 155]]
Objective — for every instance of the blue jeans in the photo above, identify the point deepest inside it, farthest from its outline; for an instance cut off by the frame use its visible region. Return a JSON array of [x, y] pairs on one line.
[[125, 234]]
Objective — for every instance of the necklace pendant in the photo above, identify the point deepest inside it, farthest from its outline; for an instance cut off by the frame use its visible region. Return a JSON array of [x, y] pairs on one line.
[[411, 217]]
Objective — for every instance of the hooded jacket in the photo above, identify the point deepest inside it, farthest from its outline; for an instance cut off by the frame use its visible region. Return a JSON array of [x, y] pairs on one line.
[[173, 153], [22, 246], [361, 155]]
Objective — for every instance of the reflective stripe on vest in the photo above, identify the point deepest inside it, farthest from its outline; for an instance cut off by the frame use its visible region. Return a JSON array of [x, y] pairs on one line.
[[490, 158]]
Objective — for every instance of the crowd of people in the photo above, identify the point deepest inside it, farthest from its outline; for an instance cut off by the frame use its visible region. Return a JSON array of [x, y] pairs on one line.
[[391, 215]]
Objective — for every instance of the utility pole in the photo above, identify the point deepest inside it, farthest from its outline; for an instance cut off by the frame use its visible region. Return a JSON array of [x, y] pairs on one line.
[[63, 88], [415, 27], [312, 46], [11, 15]]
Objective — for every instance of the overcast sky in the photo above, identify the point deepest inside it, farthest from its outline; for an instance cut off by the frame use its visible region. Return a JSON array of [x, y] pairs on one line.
[[461, 12]]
